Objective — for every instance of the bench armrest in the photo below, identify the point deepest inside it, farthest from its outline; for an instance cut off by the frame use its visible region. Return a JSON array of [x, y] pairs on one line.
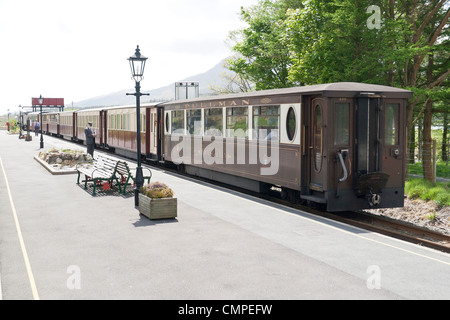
[[133, 172]]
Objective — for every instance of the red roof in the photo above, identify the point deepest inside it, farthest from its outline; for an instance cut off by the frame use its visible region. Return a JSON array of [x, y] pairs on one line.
[[48, 102]]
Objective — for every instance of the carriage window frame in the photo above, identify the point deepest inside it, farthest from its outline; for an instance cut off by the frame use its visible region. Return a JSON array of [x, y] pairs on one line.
[[193, 123], [342, 124], [167, 122], [271, 115], [392, 124], [177, 121], [234, 122], [143, 123], [214, 122], [318, 138], [291, 124]]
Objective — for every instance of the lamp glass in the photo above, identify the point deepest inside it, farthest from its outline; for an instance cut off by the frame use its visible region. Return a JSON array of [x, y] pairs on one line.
[[137, 65]]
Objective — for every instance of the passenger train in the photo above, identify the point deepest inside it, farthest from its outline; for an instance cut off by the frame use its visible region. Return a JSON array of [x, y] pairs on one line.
[[338, 145]]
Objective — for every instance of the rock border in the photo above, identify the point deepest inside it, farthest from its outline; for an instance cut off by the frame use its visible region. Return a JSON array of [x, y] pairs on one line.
[[58, 162]]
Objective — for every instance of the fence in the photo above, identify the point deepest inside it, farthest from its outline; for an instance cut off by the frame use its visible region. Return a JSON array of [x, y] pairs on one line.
[[429, 159]]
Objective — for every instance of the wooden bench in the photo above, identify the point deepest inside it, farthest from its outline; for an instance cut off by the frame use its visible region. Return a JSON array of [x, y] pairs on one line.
[[101, 170], [125, 175]]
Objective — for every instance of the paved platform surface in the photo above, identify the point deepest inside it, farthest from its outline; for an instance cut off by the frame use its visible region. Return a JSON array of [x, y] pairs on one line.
[[57, 241]]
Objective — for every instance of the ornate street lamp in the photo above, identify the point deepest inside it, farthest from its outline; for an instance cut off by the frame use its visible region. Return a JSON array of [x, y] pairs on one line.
[[41, 101], [137, 65]]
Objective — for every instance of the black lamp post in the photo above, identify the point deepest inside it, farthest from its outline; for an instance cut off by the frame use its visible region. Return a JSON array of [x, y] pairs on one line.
[[137, 65], [41, 101]]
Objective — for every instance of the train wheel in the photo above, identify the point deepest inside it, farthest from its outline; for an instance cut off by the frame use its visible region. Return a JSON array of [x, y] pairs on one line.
[[293, 196]]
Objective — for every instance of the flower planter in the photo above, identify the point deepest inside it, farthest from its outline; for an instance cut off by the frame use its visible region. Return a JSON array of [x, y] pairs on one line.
[[157, 208]]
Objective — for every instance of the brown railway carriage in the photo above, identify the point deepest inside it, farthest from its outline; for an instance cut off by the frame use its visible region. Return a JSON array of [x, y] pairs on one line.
[[50, 123], [341, 145], [67, 125], [338, 144], [96, 116], [121, 130]]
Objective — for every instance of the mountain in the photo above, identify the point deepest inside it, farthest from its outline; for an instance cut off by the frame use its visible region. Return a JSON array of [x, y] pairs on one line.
[[206, 79]]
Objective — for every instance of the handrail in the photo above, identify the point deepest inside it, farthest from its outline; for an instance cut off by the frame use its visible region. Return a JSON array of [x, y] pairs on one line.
[[341, 159]]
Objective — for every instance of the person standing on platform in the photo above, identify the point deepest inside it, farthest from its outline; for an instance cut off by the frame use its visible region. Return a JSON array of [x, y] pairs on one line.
[[36, 128], [90, 139]]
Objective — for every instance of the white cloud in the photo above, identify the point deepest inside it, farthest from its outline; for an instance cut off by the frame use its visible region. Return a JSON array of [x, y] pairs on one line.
[[79, 49]]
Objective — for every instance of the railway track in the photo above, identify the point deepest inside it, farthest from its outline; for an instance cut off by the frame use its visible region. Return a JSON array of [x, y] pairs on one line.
[[392, 228], [383, 225]]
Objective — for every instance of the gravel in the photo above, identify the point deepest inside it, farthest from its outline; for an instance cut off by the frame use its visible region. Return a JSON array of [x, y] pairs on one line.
[[418, 212]]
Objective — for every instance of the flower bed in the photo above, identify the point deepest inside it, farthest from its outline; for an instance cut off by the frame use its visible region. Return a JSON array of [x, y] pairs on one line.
[[64, 158]]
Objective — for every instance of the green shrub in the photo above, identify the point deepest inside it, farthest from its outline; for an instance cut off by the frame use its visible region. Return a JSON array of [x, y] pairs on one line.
[[425, 190]]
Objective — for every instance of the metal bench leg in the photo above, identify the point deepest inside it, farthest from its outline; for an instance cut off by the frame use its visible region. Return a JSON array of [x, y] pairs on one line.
[[124, 186]]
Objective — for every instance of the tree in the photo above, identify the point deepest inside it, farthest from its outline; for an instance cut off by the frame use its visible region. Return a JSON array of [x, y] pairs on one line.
[[262, 57], [234, 82], [428, 67]]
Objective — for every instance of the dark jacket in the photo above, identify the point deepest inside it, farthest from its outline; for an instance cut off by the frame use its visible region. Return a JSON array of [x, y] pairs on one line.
[[90, 139]]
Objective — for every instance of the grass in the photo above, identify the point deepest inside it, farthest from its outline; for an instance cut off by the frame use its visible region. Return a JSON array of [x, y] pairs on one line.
[[425, 190]]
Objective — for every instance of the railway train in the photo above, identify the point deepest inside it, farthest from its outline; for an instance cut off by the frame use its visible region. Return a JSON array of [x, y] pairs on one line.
[[340, 146]]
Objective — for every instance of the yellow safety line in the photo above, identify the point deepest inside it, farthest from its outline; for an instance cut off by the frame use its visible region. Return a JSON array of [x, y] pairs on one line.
[[22, 243]]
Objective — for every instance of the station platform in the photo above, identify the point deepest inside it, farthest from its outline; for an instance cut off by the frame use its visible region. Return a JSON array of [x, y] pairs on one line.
[[57, 241]]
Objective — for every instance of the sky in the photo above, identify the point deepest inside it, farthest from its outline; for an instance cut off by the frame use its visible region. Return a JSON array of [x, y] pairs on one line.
[[77, 50]]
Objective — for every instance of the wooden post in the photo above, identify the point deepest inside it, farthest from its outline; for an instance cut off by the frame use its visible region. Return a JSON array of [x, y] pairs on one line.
[[434, 162]]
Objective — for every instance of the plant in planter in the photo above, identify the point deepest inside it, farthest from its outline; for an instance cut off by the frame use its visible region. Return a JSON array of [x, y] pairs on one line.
[[156, 201]]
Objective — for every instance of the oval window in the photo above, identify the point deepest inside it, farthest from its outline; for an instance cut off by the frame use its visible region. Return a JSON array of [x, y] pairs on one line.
[[167, 122], [291, 124]]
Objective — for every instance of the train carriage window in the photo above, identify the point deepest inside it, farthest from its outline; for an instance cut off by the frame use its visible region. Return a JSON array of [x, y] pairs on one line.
[[342, 124], [143, 123], [237, 122], [194, 122], [318, 138], [213, 122], [167, 122], [391, 124], [266, 122], [291, 124], [178, 121], [118, 122]]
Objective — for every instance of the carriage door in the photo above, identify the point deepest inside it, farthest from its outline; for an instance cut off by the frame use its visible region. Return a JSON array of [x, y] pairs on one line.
[[368, 135], [393, 153], [317, 165], [153, 126], [368, 166]]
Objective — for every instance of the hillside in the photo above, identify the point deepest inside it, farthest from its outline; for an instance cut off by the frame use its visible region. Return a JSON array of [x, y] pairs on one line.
[[206, 79]]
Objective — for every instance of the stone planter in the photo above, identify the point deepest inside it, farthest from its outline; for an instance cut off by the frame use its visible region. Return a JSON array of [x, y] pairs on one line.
[[157, 208]]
